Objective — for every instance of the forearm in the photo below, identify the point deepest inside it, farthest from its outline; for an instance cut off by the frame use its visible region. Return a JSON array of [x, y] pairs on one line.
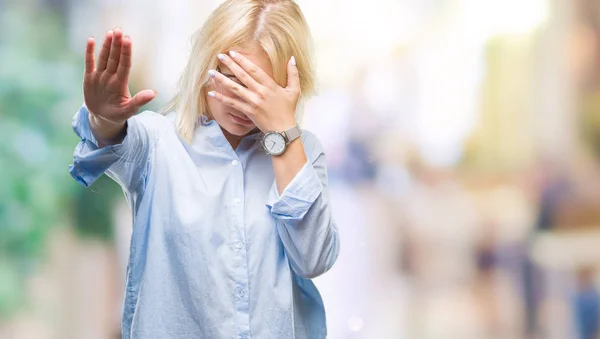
[[311, 243], [300, 204], [125, 160], [288, 164]]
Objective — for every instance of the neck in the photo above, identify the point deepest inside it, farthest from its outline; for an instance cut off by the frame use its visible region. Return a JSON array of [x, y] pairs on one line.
[[234, 140]]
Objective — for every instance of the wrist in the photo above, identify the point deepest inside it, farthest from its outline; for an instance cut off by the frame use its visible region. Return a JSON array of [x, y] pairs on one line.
[[107, 132], [280, 126], [294, 153], [104, 124], [277, 142]]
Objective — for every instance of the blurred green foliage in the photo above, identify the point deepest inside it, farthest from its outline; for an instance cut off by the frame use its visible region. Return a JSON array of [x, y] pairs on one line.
[[40, 90]]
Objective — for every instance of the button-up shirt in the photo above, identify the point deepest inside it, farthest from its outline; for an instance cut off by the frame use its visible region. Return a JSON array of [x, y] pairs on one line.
[[216, 251]]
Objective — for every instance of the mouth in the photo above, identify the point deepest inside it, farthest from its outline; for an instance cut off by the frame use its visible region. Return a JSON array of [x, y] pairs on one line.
[[241, 121]]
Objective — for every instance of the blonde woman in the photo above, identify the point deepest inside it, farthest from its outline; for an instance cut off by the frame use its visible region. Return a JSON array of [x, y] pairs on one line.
[[231, 217]]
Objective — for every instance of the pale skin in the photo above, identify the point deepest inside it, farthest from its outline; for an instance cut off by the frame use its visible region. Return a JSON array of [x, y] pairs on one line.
[[238, 109]]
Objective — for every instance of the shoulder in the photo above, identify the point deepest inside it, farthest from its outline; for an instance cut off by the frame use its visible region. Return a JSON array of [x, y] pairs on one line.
[[154, 122], [171, 117], [148, 117]]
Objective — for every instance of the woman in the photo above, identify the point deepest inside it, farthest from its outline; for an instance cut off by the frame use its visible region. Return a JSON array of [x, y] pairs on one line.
[[231, 217]]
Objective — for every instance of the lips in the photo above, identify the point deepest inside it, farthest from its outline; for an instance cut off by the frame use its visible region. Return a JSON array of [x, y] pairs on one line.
[[240, 120]]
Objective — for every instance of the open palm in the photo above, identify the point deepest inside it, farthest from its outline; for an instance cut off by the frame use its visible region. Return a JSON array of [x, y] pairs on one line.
[[106, 84]]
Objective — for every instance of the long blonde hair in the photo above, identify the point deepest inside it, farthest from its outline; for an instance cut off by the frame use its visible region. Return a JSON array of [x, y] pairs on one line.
[[277, 26]]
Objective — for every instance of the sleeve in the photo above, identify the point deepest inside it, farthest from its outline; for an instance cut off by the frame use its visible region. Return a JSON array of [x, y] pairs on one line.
[[304, 218], [126, 163]]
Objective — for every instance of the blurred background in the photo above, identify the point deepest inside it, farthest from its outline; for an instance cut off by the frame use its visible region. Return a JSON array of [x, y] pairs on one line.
[[463, 142]]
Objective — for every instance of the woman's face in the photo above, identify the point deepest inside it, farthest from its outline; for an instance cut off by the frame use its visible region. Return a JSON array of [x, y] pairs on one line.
[[231, 120]]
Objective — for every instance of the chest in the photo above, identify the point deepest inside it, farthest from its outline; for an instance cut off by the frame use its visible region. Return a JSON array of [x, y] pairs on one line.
[[202, 192]]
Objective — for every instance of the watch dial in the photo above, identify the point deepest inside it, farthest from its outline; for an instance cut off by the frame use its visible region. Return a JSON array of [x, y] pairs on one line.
[[274, 143]]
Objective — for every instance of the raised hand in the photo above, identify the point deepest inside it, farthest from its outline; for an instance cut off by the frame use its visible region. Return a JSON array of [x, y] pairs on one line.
[[105, 85], [271, 107]]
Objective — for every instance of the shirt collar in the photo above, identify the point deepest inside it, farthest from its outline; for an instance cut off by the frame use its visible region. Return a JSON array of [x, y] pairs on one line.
[[215, 134]]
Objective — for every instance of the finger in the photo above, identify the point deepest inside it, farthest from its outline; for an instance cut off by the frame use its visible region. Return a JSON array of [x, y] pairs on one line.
[[104, 52], [231, 102], [89, 55], [115, 52], [293, 78], [253, 70], [239, 72], [237, 89], [125, 59], [140, 99]]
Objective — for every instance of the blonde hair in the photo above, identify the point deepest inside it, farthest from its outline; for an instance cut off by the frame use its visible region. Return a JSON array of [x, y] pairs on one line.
[[276, 26]]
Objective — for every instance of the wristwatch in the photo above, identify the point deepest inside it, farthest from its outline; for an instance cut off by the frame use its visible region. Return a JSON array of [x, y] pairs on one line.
[[275, 143]]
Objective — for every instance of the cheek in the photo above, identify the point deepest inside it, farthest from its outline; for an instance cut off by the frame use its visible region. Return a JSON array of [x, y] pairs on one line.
[[218, 111], [215, 108]]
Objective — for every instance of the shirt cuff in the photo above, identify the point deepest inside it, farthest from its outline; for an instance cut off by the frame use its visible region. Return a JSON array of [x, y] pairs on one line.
[[81, 125], [298, 196], [89, 161]]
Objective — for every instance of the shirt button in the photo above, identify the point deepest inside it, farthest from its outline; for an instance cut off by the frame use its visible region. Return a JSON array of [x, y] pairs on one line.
[[241, 293], [237, 200], [239, 245], [234, 163]]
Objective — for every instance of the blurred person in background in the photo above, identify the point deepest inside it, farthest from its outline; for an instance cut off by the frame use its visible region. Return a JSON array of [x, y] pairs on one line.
[[231, 216], [554, 189], [586, 305]]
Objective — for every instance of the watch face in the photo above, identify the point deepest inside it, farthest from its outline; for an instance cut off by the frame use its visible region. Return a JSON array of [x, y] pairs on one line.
[[274, 143]]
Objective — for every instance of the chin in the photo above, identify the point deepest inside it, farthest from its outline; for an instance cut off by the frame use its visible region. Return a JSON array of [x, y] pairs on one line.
[[239, 130]]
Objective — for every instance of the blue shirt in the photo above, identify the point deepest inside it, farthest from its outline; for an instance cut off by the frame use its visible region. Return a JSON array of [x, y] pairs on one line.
[[215, 251], [587, 313]]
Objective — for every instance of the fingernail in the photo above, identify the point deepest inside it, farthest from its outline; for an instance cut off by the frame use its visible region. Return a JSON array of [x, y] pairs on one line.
[[293, 61], [212, 73], [233, 54], [155, 92], [221, 56], [211, 94]]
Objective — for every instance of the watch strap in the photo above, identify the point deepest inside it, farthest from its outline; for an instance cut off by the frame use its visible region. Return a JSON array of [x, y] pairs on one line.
[[292, 134]]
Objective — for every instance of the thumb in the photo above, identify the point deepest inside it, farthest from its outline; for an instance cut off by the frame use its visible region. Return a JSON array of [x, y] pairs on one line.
[[141, 98], [293, 76]]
